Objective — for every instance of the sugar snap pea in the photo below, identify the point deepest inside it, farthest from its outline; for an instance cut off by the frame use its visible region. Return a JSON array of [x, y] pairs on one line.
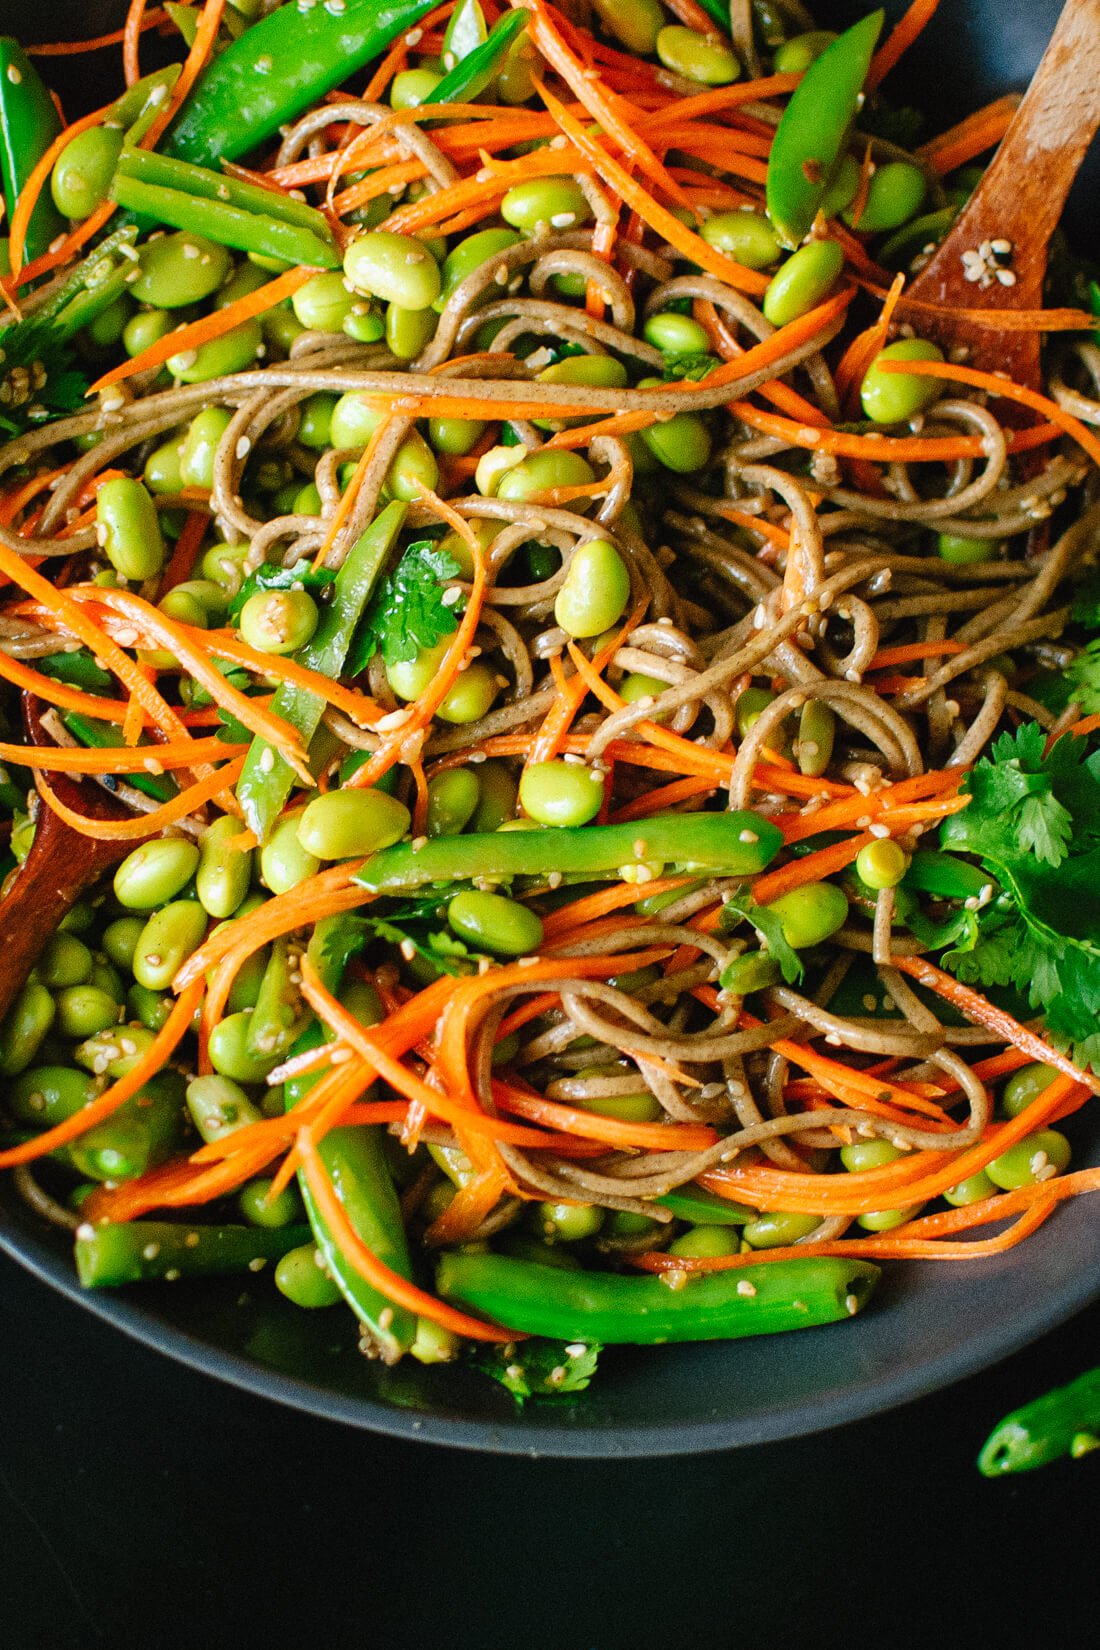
[[144, 1251], [1063, 1422], [29, 122], [733, 844], [473, 74], [814, 128], [644, 1311]]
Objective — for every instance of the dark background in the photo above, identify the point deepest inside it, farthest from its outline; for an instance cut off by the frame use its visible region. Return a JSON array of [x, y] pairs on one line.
[[145, 1507]]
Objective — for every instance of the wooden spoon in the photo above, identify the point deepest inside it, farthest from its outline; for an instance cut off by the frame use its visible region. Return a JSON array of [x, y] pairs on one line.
[[1018, 202], [61, 866]]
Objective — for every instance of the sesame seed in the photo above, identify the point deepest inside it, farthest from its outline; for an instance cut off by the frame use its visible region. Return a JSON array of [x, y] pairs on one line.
[[879, 830], [746, 1288], [851, 1305], [243, 447], [748, 836]]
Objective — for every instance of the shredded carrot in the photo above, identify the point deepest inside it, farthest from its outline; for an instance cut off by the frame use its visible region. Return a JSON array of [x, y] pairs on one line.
[[592, 1125], [131, 40], [572, 693], [812, 868], [907, 29], [207, 327], [972, 136], [75, 48], [32, 189], [890, 449], [467, 1210], [143, 825], [155, 758], [859, 354], [202, 50]]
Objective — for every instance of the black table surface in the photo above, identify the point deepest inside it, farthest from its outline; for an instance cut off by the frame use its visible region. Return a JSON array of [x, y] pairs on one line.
[[147, 1507]]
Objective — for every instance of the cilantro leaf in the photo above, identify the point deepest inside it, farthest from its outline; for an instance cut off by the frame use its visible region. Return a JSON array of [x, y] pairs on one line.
[[1083, 673], [407, 612], [1016, 807], [539, 1368], [693, 364], [268, 576], [770, 929], [38, 378]]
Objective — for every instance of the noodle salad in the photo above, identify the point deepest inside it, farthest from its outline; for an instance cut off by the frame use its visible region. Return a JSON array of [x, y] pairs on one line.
[[577, 719]]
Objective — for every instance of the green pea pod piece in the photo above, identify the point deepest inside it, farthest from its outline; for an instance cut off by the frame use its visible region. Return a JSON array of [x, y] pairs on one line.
[[945, 875], [473, 74], [147, 166], [227, 225], [76, 301], [28, 125], [279, 1014], [279, 68], [103, 736], [644, 1311], [143, 1251], [733, 844], [266, 780], [465, 32], [141, 103], [704, 1209], [1063, 1422], [811, 135]]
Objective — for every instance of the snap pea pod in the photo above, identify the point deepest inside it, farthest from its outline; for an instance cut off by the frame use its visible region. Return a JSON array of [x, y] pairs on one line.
[[1063, 1422], [147, 166], [78, 668], [103, 736], [266, 780], [63, 309], [731, 844], [811, 136], [357, 1166], [29, 123], [690, 1203], [469, 78], [644, 1311], [945, 875], [279, 68], [139, 105], [225, 224], [145, 1251]]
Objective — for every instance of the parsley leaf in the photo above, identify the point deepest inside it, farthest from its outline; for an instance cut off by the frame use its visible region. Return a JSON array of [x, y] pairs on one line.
[[38, 379], [539, 1368], [407, 613], [769, 926], [268, 576]]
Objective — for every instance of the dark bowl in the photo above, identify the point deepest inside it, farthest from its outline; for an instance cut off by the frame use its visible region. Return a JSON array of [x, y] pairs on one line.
[[928, 1325]]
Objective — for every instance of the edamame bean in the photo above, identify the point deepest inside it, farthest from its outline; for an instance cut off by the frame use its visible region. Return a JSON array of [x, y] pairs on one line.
[[470, 253], [682, 443], [566, 1222], [127, 529], [816, 734], [843, 186], [697, 56], [315, 422], [541, 472], [602, 370], [895, 194], [65, 961], [494, 465], [742, 234], [119, 939], [676, 334], [324, 303], [962, 551], [146, 328], [811, 913], [185, 608], [409, 678], [344, 824], [105, 330], [397, 268], [229, 1053], [707, 1241], [455, 436], [869, 1154], [163, 469], [409, 88], [278, 621], [232, 352], [776, 1228], [974, 1189], [794, 56], [181, 269], [414, 467], [1024, 1086], [804, 280], [281, 327], [82, 1010], [353, 423], [200, 446], [245, 279], [114, 1051], [266, 1212], [82, 173], [640, 686], [497, 799], [892, 398], [224, 872], [223, 565], [1038, 1156], [24, 1028], [637, 23], [884, 1220], [284, 863], [46, 1095], [639, 1107], [491, 922], [408, 331], [561, 793], [453, 795], [166, 942], [300, 1277], [152, 1008], [595, 590], [218, 1107], [545, 203], [156, 872], [882, 864]]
